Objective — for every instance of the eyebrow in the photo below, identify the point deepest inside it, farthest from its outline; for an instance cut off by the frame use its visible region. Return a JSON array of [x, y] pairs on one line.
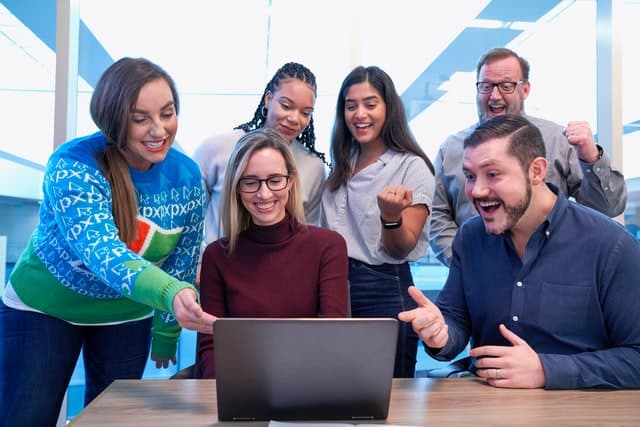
[[368, 98], [164, 107], [482, 165]]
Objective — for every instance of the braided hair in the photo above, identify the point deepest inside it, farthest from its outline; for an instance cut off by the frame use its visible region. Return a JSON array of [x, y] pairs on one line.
[[289, 70]]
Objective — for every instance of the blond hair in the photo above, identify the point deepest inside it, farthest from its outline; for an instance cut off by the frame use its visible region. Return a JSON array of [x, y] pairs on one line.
[[234, 217]]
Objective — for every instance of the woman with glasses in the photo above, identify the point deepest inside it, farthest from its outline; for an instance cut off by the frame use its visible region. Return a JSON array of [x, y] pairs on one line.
[[268, 262], [378, 197], [286, 107]]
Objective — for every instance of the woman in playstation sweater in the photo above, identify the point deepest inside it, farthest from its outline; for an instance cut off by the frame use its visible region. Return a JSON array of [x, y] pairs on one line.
[[118, 238]]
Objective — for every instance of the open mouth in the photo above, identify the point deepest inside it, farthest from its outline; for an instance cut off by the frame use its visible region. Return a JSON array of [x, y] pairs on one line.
[[265, 207], [154, 145], [498, 109], [487, 206], [363, 125]]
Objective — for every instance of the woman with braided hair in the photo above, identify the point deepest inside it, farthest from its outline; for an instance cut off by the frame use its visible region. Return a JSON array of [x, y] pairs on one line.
[[286, 107]]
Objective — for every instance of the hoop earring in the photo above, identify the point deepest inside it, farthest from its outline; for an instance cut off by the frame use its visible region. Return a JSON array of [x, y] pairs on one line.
[[264, 111]]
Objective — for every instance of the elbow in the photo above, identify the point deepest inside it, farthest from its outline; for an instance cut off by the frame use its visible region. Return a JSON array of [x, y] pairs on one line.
[[399, 253]]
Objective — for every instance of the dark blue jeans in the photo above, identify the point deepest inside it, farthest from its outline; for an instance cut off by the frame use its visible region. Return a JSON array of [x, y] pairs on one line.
[[381, 291], [38, 354]]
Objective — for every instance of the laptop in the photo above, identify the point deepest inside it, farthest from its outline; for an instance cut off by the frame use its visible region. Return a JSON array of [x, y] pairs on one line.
[[304, 368]]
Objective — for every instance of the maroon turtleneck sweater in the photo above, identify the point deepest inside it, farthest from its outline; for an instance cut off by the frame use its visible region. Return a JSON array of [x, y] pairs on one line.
[[281, 270]]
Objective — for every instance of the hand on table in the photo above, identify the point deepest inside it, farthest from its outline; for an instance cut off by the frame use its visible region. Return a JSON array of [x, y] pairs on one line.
[[515, 366]]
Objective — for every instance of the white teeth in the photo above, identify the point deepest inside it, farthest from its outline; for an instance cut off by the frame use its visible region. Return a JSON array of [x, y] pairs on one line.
[[488, 204], [265, 205], [153, 144], [362, 126]]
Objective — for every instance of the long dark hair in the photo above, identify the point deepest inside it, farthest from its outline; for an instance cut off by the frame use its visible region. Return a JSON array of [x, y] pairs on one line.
[[289, 70], [395, 131], [112, 103]]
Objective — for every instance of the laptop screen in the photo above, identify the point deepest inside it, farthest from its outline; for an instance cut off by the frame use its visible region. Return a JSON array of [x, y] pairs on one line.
[[304, 369]]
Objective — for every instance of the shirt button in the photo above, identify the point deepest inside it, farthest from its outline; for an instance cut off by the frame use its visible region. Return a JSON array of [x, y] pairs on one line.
[[547, 233], [515, 318], [606, 188], [519, 284], [597, 169]]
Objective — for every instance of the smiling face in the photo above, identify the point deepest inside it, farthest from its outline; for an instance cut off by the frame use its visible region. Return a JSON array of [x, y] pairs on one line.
[[266, 207], [289, 108], [152, 127], [496, 103], [496, 184], [365, 113]]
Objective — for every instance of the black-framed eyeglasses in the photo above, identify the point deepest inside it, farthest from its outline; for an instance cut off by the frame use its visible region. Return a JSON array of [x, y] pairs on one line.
[[503, 87], [252, 185]]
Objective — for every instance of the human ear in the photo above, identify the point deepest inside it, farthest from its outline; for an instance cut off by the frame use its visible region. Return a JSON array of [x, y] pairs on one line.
[[268, 96], [538, 170], [526, 88]]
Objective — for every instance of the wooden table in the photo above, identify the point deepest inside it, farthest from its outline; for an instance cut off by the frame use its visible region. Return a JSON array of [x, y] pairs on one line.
[[415, 402]]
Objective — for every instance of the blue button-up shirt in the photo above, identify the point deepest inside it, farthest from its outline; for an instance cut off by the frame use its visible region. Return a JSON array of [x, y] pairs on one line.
[[574, 298]]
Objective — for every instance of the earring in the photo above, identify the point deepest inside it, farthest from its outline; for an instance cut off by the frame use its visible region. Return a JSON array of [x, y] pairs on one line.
[[264, 111]]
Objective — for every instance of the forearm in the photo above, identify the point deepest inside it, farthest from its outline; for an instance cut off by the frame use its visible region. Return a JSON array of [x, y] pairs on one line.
[[615, 368], [402, 238], [442, 230], [165, 332], [602, 188], [333, 283]]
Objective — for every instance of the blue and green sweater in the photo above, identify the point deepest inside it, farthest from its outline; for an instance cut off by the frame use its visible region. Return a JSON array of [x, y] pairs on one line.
[[77, 269]]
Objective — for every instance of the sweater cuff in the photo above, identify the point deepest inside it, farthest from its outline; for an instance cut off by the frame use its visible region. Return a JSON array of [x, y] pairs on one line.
[[163, 346]]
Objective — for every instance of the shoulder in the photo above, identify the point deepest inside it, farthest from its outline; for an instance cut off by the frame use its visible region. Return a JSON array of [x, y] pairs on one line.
[[408, 163], [453, 144], [303, 156], [215, 249], [82, 149], [179, 163], [591, 228], [546, 127], [320, 234], [589, 218], [76, 160], [217, 143]]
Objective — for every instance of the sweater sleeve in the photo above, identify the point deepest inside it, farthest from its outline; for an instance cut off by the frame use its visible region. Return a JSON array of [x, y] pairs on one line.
[[213, 301], [333, 280], [182, 264]]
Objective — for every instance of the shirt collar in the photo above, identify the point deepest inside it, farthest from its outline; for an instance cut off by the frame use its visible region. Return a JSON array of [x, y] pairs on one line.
[[557, 213]]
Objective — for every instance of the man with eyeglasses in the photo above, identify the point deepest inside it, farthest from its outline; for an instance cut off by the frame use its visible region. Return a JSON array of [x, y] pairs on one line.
[[577, 166]]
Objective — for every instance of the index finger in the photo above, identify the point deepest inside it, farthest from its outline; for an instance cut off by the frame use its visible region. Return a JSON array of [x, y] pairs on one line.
[[417, 295]]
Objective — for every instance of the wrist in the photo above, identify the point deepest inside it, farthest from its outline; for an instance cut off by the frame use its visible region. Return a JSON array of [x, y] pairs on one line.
[[390, 225], [596, 156]]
